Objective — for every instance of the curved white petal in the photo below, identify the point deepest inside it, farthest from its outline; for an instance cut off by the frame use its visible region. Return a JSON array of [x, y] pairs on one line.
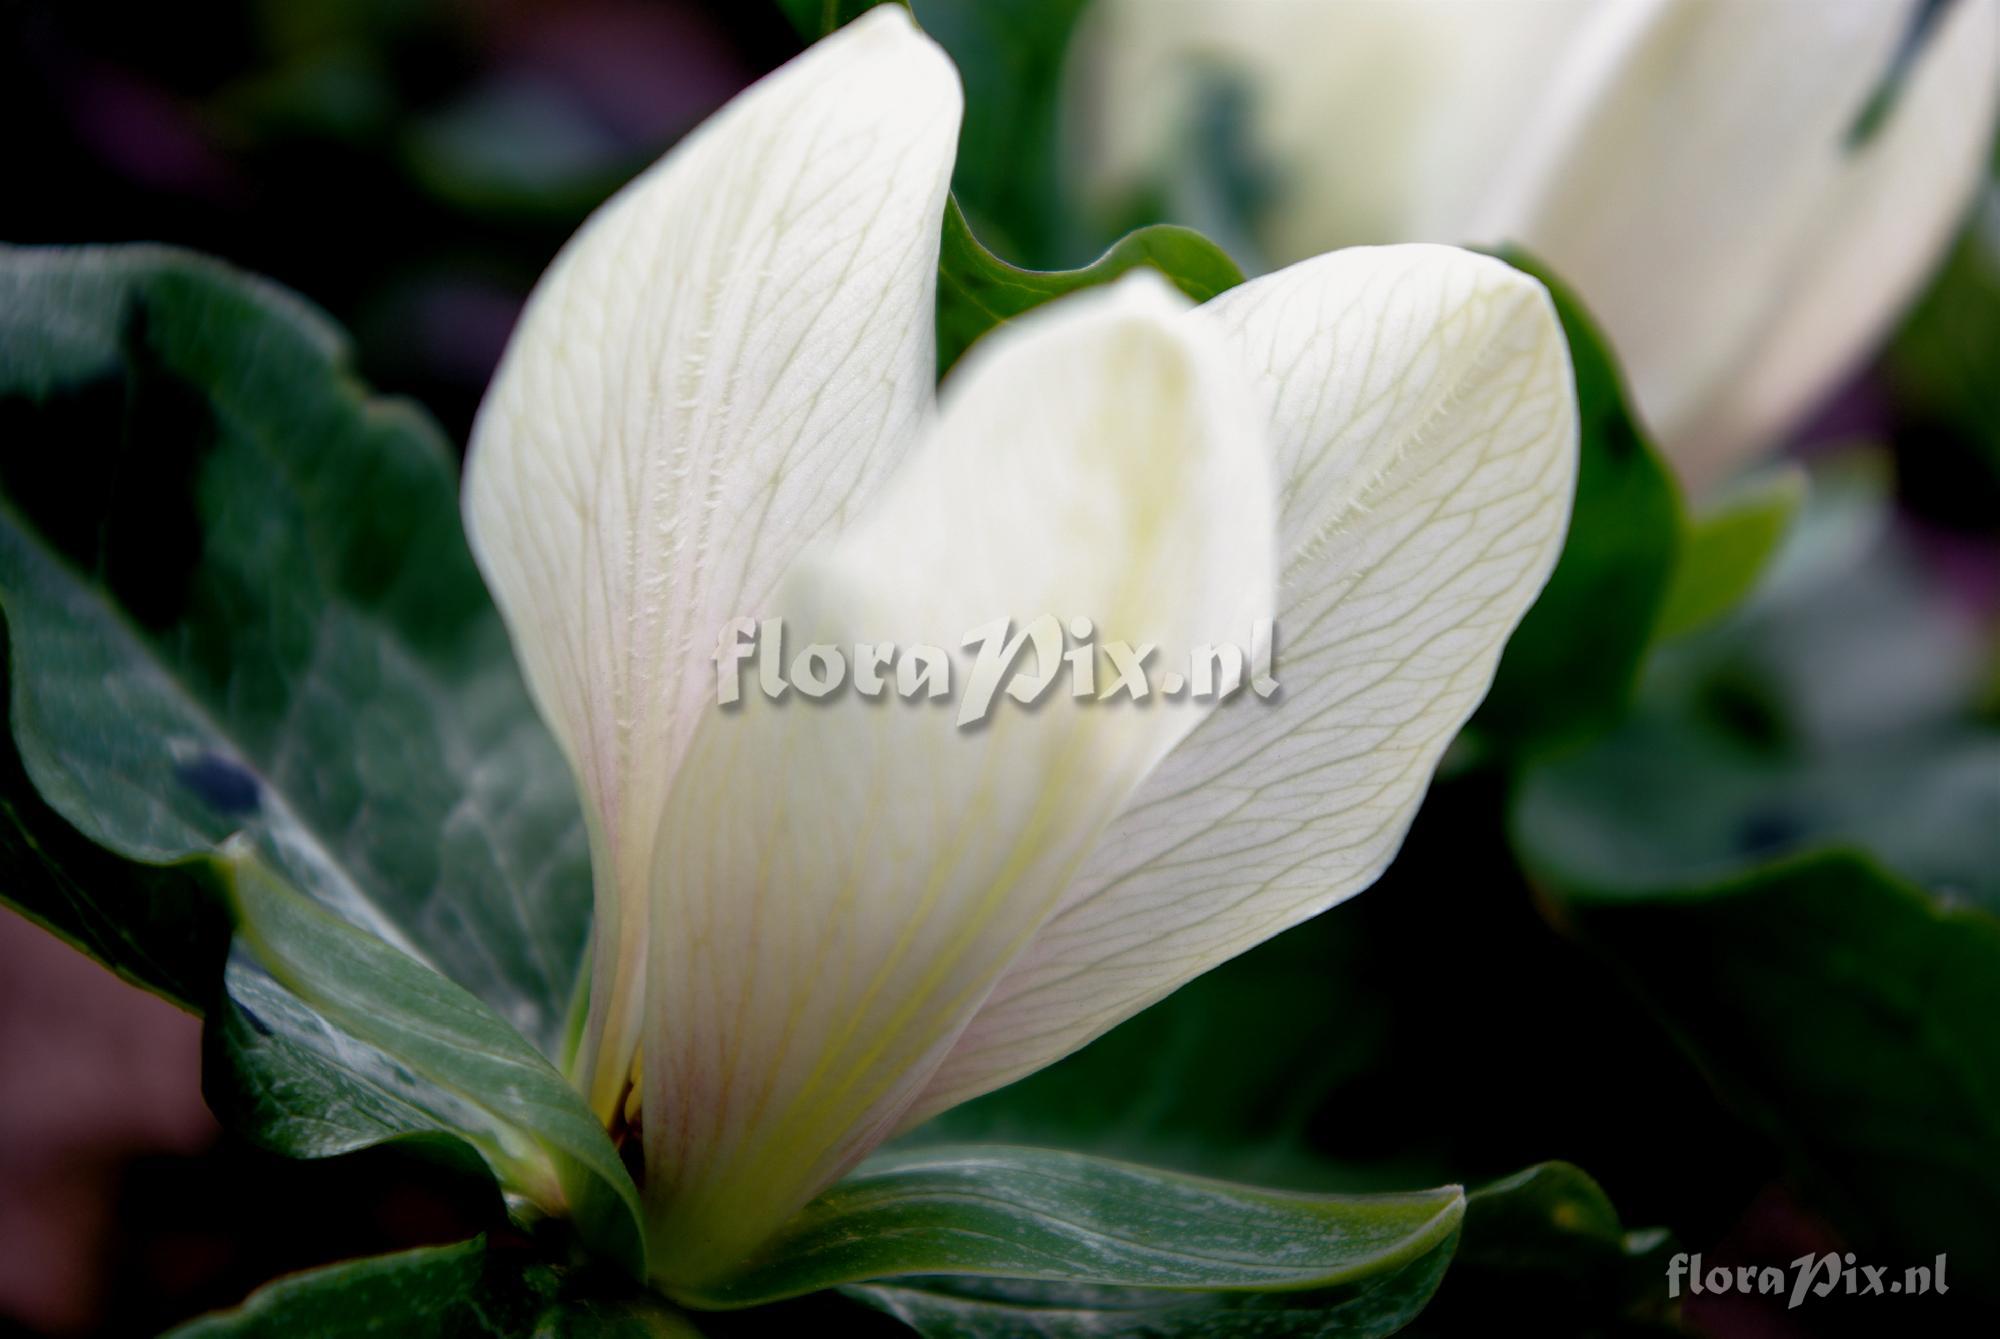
[[1424, 428], [841, 880], [1871, 246], [716, 369], [1691, 172]]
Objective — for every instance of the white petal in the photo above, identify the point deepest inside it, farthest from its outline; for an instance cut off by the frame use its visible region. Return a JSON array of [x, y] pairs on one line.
[[716, 369], [1691, 173], [1424, 428], [1873, 244], [841, 881]]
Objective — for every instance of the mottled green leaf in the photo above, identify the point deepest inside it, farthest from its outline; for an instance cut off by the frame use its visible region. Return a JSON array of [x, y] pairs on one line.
[[239, 600], [1017, 1213], [162, 927]]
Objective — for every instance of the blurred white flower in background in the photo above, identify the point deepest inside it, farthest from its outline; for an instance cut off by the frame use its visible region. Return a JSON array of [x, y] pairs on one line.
[[1745, 192]]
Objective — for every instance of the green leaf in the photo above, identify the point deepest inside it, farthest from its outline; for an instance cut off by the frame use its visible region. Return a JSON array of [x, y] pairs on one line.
[[411, 1292], [166, 931], [1355, 1081], [1383, 1303], [1009, 176], [239, 600], [1543, 1243], [618, 1317], [1850, 1016], [1727, 548], [977, 290], [1557, 684], [465, 1291], [292, 1083], [1546, 1242], [1037, 1214], [1550, 1219], [473, 1074]]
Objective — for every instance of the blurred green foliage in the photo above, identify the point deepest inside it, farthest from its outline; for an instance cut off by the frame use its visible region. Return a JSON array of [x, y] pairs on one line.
[[1944, 366], [1727, 548], [1709, 848], [1614, 573], [1849, 1014], [1840, 704]]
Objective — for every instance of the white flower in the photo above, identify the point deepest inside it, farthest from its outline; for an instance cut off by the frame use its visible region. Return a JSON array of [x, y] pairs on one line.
[[1692, 166], [823, 921]]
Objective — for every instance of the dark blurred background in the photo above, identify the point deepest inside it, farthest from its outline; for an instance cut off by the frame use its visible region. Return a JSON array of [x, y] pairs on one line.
[[411, 167]]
